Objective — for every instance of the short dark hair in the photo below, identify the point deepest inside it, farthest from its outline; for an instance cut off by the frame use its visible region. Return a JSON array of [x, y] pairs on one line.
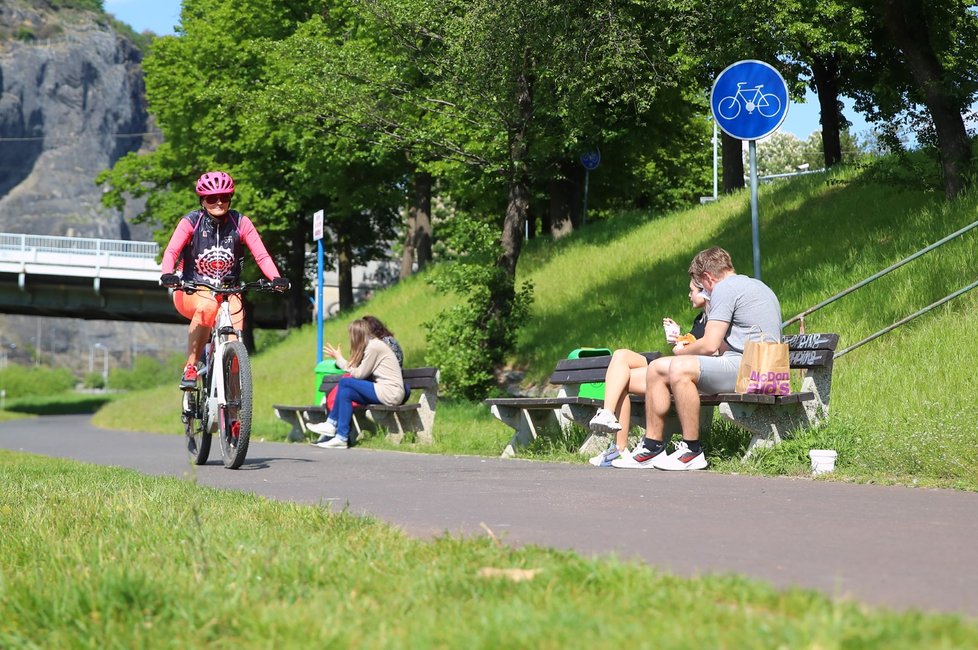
[[714, 261]]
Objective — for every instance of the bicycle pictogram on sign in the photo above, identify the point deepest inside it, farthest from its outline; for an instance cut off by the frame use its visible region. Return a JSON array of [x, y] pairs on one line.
[[766, 104]]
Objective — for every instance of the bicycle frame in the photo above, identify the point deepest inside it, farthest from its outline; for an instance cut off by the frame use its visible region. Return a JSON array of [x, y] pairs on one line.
[[216, 400]]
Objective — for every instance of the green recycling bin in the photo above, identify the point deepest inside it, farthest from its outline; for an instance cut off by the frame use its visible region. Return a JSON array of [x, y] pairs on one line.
[[324, 368], [595, 389]]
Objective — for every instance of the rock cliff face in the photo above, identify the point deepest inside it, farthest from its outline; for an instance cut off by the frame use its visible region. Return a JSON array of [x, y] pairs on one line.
[[70, 106], [71, 103]]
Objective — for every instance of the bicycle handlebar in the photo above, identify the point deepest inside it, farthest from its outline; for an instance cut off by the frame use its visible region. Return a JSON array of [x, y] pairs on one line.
[[193, 287]]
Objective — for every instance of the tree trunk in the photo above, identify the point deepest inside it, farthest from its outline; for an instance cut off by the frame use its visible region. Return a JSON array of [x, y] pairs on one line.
[[345, 265], [825, 73], [422, 218], [297, 309], [417, 238], [407, 258], [906, 22], [732, 151], [562, 193], [502, 292]]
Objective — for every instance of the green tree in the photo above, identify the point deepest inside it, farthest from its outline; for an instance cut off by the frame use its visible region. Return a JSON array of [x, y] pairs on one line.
[[204, 92], [924, 53], [486, 96]]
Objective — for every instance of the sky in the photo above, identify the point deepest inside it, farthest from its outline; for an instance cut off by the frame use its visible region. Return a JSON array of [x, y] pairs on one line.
[[160, 16]]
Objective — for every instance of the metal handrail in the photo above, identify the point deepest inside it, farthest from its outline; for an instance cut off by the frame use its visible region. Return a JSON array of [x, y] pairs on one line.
[[876, 276], [907, 319], [78, 245]]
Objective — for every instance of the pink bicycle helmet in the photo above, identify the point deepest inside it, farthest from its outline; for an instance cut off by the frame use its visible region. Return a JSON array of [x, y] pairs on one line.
[[215, 183]]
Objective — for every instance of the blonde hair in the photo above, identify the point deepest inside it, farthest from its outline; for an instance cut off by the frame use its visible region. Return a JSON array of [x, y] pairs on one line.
[[359, 337], [714, 261]]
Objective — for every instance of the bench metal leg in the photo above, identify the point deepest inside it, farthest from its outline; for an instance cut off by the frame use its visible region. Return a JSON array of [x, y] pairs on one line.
[[768, 424], [394, 424], [298, 431], [526, 423]]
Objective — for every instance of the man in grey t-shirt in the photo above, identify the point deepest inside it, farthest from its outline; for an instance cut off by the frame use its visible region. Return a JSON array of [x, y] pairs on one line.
[[738, 305]]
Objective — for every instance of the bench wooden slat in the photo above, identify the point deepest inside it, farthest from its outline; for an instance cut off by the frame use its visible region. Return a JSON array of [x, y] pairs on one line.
[[539, 402], [587, 370], [811, 341], [602, 361], [578, 376], [413, 379], [801, 359]]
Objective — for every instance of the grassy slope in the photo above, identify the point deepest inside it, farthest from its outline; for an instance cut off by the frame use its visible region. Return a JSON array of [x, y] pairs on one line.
[[901, 407]]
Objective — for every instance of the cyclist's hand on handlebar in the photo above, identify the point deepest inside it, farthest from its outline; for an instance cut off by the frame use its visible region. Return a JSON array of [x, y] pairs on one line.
[[280, 284], [170, 280]]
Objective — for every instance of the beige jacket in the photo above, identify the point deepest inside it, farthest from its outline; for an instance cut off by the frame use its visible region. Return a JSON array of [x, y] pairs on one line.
[[380, 366]]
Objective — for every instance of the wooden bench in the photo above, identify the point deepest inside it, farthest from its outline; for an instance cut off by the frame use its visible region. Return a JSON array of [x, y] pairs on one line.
[[768, 418], [531, 417], [417, 415]]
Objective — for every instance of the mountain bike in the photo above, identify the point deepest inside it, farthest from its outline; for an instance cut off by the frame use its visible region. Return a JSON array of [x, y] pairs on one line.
[[222, 399], [767, 104]]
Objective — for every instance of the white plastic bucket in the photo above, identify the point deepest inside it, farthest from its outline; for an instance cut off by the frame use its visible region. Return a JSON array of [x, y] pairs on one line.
[[823, 461]]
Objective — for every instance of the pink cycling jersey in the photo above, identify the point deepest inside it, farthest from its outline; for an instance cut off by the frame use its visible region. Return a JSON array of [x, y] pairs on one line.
[[209, 249]]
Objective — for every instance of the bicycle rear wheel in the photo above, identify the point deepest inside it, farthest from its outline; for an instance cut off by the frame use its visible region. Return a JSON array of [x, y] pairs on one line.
[[234, 418], [198, 438]]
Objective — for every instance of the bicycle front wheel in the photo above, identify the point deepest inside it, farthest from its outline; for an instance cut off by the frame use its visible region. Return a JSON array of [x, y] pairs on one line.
[[234, 418]]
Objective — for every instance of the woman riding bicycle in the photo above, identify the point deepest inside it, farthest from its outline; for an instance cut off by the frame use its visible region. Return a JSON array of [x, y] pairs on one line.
[[206, 246]]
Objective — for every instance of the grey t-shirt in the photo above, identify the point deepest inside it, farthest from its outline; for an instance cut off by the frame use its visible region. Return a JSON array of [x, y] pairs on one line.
[[745, 303]]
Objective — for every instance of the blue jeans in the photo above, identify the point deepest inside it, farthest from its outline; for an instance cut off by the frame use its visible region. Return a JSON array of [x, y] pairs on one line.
[[350, 390]]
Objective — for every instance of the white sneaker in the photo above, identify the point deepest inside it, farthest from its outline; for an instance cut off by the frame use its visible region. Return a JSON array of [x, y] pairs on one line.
[[681, 459], [605, 458], [334, 443], [327, 428], [640, 458], [604, 421]]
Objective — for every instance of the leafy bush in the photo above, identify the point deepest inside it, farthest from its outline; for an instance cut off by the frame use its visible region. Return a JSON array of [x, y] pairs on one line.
[[20, 381], [94, 381], [463, 338]]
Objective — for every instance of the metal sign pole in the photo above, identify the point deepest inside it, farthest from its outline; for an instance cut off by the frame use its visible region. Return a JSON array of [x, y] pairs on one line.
[[319, 300], [317, 234], [715, 174], [755, 231], [587, 173]]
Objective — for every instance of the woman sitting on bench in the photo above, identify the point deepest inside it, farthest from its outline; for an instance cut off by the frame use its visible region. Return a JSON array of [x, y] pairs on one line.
[[375, 378], [626, 376]]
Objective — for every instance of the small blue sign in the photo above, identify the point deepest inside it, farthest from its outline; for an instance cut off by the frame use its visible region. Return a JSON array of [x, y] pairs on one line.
[[591, 160], [749, 100]]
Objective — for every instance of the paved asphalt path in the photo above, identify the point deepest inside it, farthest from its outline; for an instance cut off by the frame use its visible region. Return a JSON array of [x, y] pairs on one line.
[[900, 548]]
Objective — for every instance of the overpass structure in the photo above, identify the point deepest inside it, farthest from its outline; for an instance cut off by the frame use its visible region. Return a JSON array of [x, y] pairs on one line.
[[92, 279]]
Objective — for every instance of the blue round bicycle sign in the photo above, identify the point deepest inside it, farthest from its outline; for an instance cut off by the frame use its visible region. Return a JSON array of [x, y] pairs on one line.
[[749, 100], [591, 159]]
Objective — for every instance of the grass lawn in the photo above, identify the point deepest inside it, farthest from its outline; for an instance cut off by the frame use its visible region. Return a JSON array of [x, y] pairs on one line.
[[97, 557]]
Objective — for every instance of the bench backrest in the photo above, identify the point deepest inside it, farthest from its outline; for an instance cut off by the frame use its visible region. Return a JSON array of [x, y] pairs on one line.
[[586, 370], [814, 354], [811, 350], [414, 378]]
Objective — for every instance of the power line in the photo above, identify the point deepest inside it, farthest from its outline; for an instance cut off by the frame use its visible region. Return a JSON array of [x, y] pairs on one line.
[[42, 137]]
